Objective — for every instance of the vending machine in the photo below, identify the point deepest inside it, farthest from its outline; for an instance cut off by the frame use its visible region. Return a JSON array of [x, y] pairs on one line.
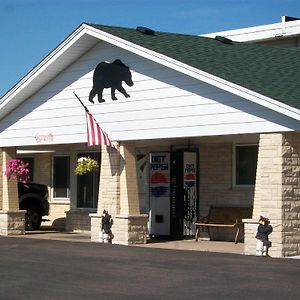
[[173, 193], [159, 194]]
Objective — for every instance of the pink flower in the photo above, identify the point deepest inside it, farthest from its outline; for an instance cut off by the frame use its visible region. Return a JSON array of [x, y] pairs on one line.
[[17, 169]]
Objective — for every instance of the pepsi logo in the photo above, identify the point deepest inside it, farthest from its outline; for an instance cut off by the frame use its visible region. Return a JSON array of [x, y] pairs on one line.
[[159, 184], [189, 180]]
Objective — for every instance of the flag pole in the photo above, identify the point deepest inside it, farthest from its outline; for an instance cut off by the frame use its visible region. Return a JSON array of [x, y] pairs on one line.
[[95, 128], [80, 101], [86, 109]]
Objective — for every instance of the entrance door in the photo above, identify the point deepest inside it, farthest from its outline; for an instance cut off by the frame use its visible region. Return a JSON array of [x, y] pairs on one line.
[[184, 192]]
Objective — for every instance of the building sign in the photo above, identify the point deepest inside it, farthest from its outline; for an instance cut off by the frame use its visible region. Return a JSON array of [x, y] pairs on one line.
[[160, 175], [43, 138], [189, 174]]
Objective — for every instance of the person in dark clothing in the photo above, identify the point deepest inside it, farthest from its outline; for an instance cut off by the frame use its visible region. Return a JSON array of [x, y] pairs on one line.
[[262, 237]]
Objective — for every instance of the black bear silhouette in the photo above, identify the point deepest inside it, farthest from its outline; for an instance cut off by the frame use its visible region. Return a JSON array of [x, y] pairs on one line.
[[110, 75]]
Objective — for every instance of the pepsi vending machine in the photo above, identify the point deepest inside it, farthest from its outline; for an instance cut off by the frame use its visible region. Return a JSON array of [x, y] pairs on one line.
[[159, 198], [173, 201]]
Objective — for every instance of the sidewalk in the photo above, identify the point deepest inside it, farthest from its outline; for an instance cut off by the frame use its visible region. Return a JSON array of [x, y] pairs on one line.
[[57, 235], [190, 244]]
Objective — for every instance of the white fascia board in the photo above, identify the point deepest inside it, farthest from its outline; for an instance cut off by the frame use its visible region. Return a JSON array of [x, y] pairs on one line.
[[198, 74], [260, 33], [6, 102]]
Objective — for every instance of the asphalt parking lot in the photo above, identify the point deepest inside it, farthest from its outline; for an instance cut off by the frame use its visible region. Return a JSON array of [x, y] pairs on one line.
[[50, 269]]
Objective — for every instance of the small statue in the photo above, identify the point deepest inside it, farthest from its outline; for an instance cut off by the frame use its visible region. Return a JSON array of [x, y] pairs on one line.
[[106, 235], [263, 244]]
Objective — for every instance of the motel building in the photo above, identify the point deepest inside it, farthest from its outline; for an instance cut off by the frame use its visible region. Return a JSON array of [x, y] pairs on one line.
[[207, 122]]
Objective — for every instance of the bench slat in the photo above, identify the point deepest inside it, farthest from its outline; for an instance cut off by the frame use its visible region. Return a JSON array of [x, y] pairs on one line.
[[215, 225]]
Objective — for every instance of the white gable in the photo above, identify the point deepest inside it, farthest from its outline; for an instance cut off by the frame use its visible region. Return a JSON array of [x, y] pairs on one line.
[[164, 103]]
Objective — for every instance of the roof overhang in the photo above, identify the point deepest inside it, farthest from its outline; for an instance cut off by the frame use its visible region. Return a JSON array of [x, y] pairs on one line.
[[86, 36]]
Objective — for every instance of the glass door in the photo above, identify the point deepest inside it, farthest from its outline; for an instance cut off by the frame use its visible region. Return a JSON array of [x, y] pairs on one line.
[[88, 184], [184, 192]]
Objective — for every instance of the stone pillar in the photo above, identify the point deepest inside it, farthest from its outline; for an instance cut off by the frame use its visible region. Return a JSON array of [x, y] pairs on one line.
[[12, 220], [109, 191], [118, 193], [130, 227], [291, 195], [277, 194]]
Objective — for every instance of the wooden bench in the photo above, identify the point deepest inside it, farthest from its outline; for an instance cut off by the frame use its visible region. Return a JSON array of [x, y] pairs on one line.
[[224, 217]]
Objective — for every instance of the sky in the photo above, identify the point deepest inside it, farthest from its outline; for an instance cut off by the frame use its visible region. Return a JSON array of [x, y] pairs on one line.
[[31, 29]]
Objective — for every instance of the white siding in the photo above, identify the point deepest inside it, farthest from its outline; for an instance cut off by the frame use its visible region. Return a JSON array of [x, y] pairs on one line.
[[163, 104]]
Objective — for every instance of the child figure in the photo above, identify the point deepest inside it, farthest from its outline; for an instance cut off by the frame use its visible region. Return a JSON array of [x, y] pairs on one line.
[[262, 237], [106, 235]]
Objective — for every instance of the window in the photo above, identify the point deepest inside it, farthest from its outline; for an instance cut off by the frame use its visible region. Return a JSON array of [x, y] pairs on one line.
[[245, 164], [61, 177], [88, 184]]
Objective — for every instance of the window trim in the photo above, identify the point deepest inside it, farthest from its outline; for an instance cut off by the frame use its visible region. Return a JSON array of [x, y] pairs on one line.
[[235, 185]]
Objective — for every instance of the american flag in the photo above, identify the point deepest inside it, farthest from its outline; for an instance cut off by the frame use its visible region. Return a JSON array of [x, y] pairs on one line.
[[95, 135]]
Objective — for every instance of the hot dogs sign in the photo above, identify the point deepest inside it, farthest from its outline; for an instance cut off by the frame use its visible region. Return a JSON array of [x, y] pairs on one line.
[[110, 75]]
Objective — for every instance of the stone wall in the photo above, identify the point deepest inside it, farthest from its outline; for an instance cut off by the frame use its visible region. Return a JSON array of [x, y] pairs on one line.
[[216, 181], [291, 195], [78, 220], [129, 230], [12, 222]]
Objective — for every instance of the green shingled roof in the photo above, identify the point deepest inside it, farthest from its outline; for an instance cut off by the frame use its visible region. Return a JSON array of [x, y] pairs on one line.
[[270, 71]]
